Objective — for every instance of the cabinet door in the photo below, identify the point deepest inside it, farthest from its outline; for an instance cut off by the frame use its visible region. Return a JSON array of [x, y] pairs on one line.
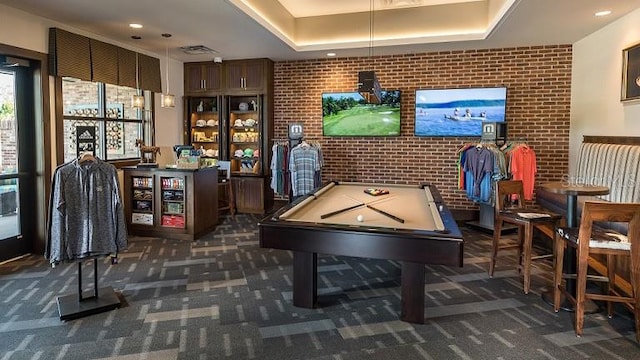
[[254, 75], [249, 195], [235, 75], [193, 78], [212, 77], [202, 124]]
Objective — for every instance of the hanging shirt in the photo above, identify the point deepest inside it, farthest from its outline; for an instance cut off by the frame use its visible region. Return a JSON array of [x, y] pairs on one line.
[[478, 161], [303, 164], [86, 215], [523, 167]]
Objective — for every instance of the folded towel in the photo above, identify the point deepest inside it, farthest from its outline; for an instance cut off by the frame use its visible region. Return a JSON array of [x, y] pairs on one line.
[[530, 215]]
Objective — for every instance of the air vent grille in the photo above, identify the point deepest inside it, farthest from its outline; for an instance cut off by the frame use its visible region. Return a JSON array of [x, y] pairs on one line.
[[197, 50]]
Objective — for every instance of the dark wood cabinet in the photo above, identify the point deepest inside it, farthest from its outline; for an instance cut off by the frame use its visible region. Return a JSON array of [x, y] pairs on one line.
[[248, 76], [239, 129], [252, 194], [202, 78], [171, 203]]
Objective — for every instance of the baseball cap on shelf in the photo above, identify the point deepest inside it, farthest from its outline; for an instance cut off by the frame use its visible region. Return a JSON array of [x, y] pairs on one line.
[[256, 153], [238, 123], [238, 153], [248, 152]]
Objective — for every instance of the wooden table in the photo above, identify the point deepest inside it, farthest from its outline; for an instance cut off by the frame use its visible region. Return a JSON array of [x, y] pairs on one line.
[[428, 234], [572, 191]]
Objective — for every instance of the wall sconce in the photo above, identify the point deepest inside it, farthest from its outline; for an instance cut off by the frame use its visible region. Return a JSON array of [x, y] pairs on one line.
[[167, 100]]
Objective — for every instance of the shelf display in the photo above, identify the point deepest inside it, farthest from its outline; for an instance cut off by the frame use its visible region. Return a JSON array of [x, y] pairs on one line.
[[172, 202], [245, 135], [142, 194], [202, 128]]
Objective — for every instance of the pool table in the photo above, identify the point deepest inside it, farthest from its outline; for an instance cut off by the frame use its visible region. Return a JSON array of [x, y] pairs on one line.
[[410, 224]]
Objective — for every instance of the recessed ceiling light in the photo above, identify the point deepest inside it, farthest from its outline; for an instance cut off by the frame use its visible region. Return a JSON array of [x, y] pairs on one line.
[[603, 13], [136, 26], [331, 54]]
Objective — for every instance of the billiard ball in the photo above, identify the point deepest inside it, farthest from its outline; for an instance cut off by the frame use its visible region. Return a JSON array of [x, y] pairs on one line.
[[360, 218]]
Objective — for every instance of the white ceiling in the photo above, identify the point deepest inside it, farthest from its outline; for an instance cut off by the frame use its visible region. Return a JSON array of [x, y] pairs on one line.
[[304, 8], [234, 32]]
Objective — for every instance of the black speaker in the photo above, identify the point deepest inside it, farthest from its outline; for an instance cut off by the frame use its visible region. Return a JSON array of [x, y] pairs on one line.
[[369, 87]]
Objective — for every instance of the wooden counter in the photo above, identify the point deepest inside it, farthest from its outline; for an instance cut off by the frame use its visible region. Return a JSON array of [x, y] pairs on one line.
[[171, 203]]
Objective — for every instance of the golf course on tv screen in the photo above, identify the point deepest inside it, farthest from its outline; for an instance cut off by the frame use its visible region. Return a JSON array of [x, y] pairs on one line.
[[348, 114]]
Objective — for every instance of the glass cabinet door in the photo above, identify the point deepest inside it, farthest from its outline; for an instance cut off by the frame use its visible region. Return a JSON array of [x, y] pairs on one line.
[[245, 135], [204, 125], [173, 207]]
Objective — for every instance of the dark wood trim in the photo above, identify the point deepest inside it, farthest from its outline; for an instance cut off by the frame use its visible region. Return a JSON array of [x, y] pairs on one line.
[[59, 125], [42, 105], [624, 140]]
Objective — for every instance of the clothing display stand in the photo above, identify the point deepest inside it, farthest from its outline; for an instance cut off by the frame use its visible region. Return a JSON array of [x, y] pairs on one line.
[[496, 133], [486, 219], [75, 306]]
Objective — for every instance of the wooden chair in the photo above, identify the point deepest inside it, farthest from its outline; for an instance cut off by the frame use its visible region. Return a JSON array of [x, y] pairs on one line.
[[226, 199], [510, 208], [589, 240]]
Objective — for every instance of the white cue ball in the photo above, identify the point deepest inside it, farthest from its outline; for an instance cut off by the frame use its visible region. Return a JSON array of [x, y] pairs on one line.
[[360, 218]]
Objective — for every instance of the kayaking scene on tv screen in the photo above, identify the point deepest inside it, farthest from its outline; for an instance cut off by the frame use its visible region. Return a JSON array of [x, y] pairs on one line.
[[348, 114], [458, 112]]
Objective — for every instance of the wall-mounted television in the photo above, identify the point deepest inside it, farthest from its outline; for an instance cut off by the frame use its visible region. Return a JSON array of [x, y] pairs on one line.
[[458, 112], [348, 114]]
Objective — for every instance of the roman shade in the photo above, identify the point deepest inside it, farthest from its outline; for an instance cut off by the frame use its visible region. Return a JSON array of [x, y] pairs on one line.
[[104, 62], [69, 54], [88, 59]]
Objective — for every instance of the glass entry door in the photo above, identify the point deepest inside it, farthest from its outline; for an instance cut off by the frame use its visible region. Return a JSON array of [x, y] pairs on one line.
[[16, 158]]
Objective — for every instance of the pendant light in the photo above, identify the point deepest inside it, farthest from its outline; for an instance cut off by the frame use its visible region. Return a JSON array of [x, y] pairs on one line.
[[368, 85], [137, 101], [167, 99]]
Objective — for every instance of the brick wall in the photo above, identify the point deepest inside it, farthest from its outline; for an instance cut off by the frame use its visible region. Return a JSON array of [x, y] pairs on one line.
[[538, 81]]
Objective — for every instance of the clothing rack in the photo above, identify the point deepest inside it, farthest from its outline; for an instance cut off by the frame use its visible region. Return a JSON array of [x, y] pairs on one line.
[[78, 305], [99, 300], [487, 211]]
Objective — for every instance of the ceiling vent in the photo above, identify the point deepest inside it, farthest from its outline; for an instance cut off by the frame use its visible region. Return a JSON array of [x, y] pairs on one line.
[[197, 50]]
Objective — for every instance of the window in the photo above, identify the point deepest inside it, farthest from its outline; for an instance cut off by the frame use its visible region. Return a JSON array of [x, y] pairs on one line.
[[107, 109]]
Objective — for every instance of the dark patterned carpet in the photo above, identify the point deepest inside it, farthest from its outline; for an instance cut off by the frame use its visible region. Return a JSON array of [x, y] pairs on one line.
[[223, 297]]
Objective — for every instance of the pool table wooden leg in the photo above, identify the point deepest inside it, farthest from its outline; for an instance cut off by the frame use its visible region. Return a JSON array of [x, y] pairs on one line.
[[305, 279], [412, 292]]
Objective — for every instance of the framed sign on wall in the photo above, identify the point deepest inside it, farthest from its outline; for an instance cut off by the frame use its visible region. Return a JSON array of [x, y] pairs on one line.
[[631, 73]]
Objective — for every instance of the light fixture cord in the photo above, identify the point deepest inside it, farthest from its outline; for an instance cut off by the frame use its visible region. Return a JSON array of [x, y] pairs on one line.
[[137, 85], [167, 64], [371, 28]]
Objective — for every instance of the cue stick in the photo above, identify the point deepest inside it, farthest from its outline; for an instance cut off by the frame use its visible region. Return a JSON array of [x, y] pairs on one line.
[[370, 202], [376, 209], [385, 213], [324, 216]]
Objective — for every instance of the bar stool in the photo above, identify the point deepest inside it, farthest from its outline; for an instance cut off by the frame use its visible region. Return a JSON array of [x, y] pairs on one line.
[[510, 208], [226, 202], [589, 239]]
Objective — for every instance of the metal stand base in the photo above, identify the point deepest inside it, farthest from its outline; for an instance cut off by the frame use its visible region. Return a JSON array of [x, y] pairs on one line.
[[70, 308]]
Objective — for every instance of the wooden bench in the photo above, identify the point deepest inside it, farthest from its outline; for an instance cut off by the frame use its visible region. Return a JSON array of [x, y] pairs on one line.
[[612, 161]]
